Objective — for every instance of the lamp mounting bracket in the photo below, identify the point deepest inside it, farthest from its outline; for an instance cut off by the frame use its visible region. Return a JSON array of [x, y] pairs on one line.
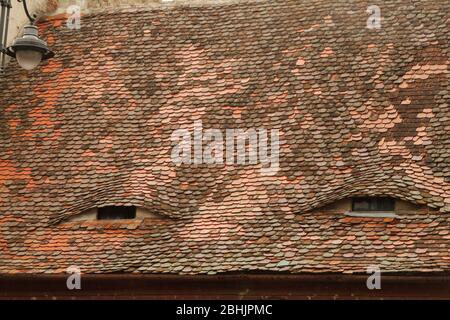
[[33, 17]]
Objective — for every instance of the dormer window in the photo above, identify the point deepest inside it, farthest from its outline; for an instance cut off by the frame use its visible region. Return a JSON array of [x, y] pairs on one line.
[[116, 213], [372, 207], [382, 207], [373, 204]]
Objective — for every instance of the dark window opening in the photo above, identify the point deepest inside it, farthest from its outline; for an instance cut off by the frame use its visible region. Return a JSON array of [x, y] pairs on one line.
[[116, 213], [373, 204]]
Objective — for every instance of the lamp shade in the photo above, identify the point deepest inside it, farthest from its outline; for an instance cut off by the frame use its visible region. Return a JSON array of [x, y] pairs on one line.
[[29, 50]]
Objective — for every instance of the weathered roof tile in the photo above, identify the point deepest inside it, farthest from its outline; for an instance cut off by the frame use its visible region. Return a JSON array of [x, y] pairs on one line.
[[360, 111]]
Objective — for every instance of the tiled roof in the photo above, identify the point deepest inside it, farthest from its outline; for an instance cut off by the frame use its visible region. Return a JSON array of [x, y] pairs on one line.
[[229, 241], [361, 112]]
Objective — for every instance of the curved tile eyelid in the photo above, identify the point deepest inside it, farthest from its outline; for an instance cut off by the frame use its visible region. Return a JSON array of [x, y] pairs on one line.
[[145, 208]]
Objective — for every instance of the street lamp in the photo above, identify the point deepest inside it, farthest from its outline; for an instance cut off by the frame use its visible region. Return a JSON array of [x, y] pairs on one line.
[[29, 50]]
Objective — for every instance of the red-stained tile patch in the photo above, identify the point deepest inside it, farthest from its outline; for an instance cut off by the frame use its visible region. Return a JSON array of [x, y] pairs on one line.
[[52, 66]]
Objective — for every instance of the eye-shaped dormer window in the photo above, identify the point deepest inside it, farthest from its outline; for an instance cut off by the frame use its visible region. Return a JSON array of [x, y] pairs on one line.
[[381, 206], [116, 213], [373, 204], [377, 207]]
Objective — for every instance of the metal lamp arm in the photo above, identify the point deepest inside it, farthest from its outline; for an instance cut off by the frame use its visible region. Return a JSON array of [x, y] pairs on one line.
[[25, 8]]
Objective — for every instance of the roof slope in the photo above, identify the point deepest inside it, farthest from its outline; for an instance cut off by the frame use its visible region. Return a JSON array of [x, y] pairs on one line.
[[361, 112]]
